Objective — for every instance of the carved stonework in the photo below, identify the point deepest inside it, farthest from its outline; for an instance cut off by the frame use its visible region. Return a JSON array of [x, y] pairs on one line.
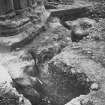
[[20, 4], [18, 22], [6, 6]]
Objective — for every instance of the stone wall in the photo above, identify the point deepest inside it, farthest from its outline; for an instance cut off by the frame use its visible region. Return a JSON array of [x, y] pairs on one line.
[[6, 6], [13, 5]]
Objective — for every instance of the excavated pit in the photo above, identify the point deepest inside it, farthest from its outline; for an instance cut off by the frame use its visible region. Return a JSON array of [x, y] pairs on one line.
[[61, 87], [60, 84]]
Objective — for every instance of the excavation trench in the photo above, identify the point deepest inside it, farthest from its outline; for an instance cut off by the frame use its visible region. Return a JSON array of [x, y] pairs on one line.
[[60, 84], [61, 87]]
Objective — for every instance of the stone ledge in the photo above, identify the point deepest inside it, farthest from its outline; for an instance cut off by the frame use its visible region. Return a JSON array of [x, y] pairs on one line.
[[22, 38], [13, 26]]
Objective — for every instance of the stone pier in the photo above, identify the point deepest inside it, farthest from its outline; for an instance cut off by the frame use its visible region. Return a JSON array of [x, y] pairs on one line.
[[15, 26]]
